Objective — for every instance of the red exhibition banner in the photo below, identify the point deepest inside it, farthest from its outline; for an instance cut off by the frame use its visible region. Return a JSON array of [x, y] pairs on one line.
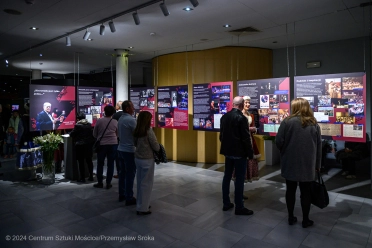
[[173, 107]]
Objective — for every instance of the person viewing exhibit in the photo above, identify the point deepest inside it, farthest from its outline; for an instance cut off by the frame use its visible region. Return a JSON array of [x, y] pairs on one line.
[[353, 152], [126, 149], [252, 164], [82, 136], [236, 147], [146, 143], [116, 116], [299, 134], [106, 130]]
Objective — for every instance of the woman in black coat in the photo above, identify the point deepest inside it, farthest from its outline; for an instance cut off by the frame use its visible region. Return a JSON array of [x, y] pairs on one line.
[[82, 135]]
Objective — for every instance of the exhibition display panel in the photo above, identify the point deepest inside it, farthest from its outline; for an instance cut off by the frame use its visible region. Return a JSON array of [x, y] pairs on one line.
[[338, 102], [210, 102], [52, 107], [173, 107], [270, 98], [93, 100], [143, 99]]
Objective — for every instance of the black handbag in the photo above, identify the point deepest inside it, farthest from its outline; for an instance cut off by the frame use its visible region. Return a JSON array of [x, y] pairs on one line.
[[319, 194], [97, 143]]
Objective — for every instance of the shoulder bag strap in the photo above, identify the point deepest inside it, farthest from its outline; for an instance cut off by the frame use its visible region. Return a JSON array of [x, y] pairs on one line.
[[105, 129]]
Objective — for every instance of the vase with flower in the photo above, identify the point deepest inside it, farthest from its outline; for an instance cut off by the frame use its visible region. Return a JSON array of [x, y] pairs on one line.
[[48, 143]]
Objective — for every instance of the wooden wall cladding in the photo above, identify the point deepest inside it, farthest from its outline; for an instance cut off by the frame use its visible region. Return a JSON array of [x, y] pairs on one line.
[[199, 67]]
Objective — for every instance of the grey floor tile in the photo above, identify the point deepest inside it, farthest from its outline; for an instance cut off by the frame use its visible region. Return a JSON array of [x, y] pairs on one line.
[[252, 243], [10, 219], [246, 227], [63, 218], [178, 200], [204, 205], [45, 237], [38, 194], [184, 232], [152, 239], [179, 244], [268, 217], [115, 231], [314, 240], [350, 232], [219, 237], [286, 236], [212, 219], [147, 223]]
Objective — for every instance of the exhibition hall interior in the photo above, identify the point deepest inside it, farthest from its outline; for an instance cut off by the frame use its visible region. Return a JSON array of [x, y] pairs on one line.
[[183, 61]]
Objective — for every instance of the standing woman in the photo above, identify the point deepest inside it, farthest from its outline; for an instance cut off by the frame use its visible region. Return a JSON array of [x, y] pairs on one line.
[[145, 142], [252, 164], [82, 135], [299, 134], [106, 130]]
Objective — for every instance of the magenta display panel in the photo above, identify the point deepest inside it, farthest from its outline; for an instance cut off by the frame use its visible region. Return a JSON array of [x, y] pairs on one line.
[[270, 98], [93, 100], [143, 99], [52, 107], [173, 107], [338, 102], [210, 102]]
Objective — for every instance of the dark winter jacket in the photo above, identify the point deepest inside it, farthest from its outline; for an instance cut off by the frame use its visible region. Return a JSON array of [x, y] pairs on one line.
[[82, 133], [234, 135]]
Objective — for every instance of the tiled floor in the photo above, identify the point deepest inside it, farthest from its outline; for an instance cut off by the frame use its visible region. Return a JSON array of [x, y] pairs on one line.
[[186, 212]]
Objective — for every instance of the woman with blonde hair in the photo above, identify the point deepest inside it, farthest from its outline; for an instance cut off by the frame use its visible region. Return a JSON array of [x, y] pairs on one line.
[[146, 143], [299, 134]]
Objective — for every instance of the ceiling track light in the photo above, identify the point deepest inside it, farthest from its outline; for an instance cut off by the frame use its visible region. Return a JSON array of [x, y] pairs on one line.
[[194, 2], [136, 18], [102, 29], [112, 26], [164, 9], [68, 41], [86, 35]]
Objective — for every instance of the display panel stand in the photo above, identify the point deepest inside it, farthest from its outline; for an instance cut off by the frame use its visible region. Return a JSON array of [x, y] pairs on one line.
[[71, 169]]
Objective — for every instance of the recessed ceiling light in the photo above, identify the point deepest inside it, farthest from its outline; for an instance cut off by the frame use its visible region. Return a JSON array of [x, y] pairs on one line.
[[227, 26], [41, 55], [34, 28], [188, 9], [130, 47], [90, 39]]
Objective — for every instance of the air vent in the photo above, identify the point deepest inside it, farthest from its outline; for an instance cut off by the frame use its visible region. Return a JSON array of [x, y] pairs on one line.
[[244, 31]]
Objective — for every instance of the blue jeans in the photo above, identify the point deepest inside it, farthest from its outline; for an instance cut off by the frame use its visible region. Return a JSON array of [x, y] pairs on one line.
[[108, 151], [240, 166], [127, 172]]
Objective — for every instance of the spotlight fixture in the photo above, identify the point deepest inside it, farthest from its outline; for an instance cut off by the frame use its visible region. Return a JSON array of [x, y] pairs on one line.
[[164, 9], [41, 55], [227, 26], [136, 18], [194, 2], [130, 47], [6, 61], [86, 35], [68, 41], [34, 28], [102, 29], [112, 26], [188, 9], [89, 39]]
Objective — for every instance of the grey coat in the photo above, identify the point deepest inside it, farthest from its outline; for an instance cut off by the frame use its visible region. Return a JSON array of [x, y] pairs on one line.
[[300, 149]]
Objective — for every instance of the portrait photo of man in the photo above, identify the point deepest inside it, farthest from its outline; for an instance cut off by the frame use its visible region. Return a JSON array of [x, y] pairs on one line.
[[44, 119]]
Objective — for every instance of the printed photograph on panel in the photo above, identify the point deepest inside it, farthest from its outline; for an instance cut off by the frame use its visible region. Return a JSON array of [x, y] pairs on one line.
[[333, 87]]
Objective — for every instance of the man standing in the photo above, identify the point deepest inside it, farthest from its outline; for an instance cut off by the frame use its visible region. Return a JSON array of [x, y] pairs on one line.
[[117, 116], [44, 120], [236, 146], [127, 172]]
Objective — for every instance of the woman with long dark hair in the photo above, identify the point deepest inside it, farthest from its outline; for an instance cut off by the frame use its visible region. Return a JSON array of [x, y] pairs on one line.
[[146, 143], [299, 134]]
